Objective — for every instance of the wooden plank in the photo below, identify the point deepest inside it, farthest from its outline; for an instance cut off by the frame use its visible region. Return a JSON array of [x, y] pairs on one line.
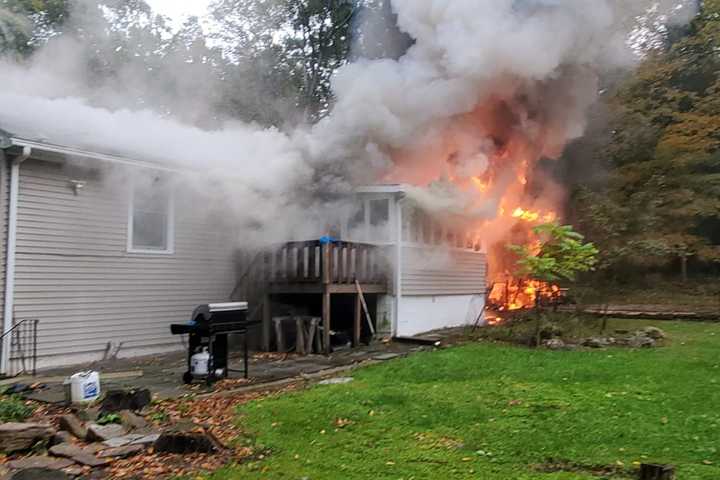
[[312, 274], [299, 288], [357, 323], [365, 308], [368, 288], [300, 263], [300, 336], [289, 270], [326, 263], [327, 298], [342, 266]]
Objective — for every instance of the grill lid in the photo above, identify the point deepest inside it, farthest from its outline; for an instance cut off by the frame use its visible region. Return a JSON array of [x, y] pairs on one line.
[[227, 307]]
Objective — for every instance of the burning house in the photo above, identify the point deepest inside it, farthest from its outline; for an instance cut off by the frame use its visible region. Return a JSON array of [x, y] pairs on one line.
[[118, 222]]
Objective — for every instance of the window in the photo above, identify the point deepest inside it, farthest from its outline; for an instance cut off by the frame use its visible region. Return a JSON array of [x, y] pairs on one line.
[[151, 222], [380, 220]]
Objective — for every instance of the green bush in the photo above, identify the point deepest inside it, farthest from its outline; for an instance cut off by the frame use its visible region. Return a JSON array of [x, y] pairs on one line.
[[13, 409]]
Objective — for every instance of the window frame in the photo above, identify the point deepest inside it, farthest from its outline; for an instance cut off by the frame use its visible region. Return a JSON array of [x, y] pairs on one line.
[[169, 226]]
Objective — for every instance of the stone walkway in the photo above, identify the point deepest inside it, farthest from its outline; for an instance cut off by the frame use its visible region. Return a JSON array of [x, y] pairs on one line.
[[162, 374]]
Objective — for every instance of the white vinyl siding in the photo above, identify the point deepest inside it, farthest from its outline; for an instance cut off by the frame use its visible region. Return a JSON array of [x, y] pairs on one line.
[[436, 271], [4, 200], [74, 272]]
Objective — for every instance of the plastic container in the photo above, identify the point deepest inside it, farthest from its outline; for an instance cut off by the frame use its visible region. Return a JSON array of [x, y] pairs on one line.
[[199, 363], [82, 387]]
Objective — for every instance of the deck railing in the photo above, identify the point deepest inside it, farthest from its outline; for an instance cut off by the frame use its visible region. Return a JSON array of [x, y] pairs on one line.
[[324, 262]]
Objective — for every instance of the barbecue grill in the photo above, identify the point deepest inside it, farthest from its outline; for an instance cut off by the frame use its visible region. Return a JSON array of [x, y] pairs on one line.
[[209, 328]]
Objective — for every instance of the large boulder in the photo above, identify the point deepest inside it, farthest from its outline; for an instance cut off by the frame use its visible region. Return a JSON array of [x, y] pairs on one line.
[[15, 437]]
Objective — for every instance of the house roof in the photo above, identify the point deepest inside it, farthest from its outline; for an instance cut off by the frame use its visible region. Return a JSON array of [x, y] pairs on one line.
[[54, 151], [393, 188]]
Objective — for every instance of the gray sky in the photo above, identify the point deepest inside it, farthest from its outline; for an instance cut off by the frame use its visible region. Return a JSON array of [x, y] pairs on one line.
[[178, 9]]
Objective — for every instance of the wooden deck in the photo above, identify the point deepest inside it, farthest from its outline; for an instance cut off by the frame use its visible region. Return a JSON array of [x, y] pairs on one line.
[[321, 268]]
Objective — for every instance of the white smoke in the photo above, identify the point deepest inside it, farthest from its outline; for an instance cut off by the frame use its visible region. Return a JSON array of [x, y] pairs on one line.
[[541, 57]]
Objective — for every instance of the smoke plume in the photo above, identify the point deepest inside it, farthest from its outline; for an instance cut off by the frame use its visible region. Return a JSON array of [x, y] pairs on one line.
[[486, 87]]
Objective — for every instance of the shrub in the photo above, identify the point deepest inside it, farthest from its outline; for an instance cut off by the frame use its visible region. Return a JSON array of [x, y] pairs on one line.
[[13, 409]]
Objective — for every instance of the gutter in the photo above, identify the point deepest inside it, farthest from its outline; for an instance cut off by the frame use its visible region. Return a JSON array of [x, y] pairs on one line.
[[10, 259], [398, 263]]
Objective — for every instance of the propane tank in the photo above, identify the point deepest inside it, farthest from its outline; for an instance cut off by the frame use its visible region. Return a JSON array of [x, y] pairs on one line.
[[199, 363]]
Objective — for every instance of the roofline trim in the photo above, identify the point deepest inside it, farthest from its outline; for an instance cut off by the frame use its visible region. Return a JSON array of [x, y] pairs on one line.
[[76, 152]]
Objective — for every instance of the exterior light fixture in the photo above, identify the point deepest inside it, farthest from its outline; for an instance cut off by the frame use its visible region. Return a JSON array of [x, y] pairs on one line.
[[77, 185]]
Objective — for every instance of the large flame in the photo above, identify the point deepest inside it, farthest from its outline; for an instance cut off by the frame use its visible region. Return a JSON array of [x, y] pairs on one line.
[[489, 158]]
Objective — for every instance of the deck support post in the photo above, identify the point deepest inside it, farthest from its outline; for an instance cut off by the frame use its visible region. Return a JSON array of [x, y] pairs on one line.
[[327, 268], [266, 323], [326, 320], [357, 322]]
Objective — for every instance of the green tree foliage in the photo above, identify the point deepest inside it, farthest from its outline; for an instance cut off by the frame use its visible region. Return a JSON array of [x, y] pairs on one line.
[[561, 255], [287, 51], [659, 204], [25, 24]]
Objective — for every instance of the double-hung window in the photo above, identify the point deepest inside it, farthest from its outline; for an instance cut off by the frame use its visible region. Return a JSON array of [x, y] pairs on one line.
[[151, 222]]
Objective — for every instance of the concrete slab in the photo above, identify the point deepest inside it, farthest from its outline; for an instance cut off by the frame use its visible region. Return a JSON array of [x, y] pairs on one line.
[[162, 374]]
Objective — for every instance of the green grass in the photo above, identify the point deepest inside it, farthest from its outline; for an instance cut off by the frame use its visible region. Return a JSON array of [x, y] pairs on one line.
[[494, 411]]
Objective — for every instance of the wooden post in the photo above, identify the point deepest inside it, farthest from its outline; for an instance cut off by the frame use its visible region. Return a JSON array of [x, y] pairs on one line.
[[357, 322], [656, 472], [266, 323], [300, 336], [326, 319]]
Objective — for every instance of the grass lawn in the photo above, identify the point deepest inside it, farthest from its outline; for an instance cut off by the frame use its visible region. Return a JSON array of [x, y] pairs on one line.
[[492, 411]]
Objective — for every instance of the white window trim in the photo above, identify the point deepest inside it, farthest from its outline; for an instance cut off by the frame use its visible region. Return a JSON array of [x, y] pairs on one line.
[[170, 250]]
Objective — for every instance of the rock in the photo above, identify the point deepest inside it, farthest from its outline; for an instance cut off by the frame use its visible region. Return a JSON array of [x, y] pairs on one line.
[[596, 342], [550, 330], [15, 437], [122, 441], [87, 414], [77, 455], [640, 341], [101, 433], [554, 344], [94, 448], [39, 474], [51, 463], [118, 400], [336, 381], [385, 356], [654, 333], [71, 423], [122, 452], [74, 471], [61, 437], [132, 421], [185, 442], [146, 439]]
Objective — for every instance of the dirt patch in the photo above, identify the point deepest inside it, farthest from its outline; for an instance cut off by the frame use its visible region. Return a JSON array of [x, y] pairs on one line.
[[601, 471]]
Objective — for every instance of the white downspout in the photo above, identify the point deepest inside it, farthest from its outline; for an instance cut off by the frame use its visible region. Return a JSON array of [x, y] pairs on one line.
[[10, 259], [398, 266]]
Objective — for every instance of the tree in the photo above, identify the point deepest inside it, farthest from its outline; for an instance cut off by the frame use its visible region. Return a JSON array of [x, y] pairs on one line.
[[26, 24], [289, 50], [560, 254], [659, 202]]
